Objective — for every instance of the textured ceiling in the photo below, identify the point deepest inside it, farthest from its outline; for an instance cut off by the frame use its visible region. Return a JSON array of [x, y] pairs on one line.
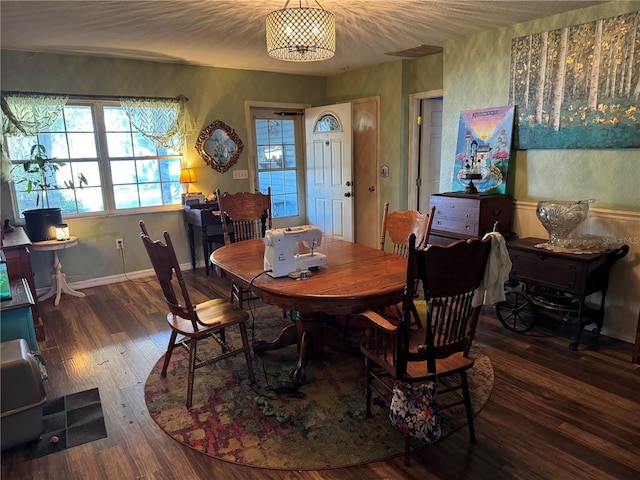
[[231, 33]]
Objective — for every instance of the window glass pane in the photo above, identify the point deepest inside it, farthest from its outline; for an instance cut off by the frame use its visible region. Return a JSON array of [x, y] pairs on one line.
[[78, 119], [275, 131], [82, 145], [123, 171], [91, 172], [142, 146], [119, 145], [126, 196], [262, 132], [170, 170], [288, 132], [277, 182], [150, 194], [148, 170], [290, 156], [89, 199], [172, 192], [115, 120]]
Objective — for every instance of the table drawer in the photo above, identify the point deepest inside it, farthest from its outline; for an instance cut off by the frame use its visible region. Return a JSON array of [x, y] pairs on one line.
[[546, 271], [461, 227], [456, 208]]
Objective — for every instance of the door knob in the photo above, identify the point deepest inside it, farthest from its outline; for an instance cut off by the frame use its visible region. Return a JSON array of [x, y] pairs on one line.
[[348, 184], [347, 194], [372, 188]]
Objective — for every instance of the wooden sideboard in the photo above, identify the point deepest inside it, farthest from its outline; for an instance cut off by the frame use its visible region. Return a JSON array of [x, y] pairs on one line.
[[16, 247], [459, 215]]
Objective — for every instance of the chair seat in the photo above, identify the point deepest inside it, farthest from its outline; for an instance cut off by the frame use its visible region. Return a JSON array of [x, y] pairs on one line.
[[416, 371], [216, 313]]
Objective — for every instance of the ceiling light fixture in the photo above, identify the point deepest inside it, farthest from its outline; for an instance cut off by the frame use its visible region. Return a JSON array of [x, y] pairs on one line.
[[301, 34]]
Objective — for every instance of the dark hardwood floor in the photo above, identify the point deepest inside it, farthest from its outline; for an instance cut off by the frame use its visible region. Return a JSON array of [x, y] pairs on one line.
[[553, 414]]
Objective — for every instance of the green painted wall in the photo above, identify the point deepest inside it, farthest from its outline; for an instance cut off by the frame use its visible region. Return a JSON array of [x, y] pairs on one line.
[[393, 82], [214, 93], [476, 75]]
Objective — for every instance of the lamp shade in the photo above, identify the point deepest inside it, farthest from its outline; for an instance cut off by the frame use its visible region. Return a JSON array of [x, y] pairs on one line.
[[187, 175], [301, 34]]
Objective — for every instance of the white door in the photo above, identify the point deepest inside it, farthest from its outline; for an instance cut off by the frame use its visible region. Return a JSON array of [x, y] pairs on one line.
[[429, 165], [329, 169]]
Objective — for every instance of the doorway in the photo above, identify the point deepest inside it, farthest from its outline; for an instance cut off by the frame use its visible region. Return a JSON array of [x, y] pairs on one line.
[[425, 130]]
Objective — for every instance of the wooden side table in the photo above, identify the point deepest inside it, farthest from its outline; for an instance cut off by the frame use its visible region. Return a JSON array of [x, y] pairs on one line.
[[59, 282]]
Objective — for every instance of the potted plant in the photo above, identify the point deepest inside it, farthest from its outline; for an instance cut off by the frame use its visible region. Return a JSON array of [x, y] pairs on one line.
[[40, 173]]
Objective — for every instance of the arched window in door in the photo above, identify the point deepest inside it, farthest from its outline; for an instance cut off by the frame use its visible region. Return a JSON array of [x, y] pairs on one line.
[[327, 123]]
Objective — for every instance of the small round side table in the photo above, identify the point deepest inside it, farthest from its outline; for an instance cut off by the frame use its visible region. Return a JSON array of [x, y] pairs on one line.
[[59, 282]]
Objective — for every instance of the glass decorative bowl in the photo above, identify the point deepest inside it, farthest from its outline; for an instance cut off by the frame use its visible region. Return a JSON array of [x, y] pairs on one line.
[[560, 217]]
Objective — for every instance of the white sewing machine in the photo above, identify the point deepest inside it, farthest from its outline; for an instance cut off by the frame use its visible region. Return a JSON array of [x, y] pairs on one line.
[[280, 244]]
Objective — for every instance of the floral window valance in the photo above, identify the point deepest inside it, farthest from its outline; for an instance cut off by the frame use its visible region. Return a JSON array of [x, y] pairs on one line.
[[27, 114], [166, 122]]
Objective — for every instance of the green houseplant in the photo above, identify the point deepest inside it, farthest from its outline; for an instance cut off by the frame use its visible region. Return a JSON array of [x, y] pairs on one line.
[[40, 171]]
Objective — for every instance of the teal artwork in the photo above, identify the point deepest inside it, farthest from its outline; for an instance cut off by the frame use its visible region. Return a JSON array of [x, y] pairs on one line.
[[483, 149], [578, 86]]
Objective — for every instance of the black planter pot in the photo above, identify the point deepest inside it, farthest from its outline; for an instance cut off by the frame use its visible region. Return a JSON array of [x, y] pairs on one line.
[[41, 223]]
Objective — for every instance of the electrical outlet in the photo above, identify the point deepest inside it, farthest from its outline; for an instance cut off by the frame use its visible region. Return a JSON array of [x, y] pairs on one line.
[[119, 243]]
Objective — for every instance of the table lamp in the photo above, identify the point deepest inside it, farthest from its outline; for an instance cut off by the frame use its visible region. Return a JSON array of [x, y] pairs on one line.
[[187, 175]]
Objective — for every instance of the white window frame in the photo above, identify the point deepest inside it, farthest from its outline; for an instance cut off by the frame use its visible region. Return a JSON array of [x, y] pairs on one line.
[[250, 107], [110, 210]]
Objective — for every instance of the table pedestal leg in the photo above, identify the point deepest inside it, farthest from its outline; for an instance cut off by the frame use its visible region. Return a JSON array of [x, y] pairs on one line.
[[59, 283]]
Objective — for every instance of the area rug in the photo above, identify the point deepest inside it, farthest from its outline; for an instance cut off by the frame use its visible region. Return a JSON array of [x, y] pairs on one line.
[[69, 421], [326, 428]]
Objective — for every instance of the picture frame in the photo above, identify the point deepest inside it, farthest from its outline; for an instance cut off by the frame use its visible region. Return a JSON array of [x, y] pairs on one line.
[[219, 146]]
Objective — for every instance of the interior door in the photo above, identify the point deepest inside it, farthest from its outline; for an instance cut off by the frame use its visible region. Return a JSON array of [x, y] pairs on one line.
[[329, 178], [431, 140], [365, 123]]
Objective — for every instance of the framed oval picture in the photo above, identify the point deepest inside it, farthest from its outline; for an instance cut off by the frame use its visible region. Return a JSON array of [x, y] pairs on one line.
[[219, 146]]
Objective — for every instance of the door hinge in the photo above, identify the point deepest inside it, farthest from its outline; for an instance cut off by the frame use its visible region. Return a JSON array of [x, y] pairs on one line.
[[418, 182]]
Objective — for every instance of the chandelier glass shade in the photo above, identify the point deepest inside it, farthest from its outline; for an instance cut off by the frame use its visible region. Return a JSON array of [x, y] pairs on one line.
[[301, 34]]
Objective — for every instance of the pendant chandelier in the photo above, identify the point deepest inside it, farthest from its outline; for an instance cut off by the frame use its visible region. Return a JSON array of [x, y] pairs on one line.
[[301, 34]]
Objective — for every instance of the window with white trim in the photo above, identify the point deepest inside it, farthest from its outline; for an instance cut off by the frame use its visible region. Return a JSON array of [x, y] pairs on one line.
[[279, 159], [124, 170]]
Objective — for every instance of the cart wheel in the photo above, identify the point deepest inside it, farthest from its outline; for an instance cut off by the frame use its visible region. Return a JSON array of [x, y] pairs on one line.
[[516, 312], [574, 346], [595, 332]]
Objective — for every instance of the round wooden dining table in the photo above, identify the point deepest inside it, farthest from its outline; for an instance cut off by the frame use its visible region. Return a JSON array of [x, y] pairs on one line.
[[353, 279]]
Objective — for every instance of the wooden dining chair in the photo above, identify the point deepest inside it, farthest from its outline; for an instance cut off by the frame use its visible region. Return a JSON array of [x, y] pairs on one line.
[[398, 351], [193, 323], [399, 226], [250, 216]]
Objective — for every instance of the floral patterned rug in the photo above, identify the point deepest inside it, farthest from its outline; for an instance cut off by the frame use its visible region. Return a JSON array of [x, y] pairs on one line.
[[248, 423]]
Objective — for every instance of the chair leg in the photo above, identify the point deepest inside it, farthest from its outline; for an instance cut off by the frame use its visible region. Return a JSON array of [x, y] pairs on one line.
[[247, 351], [367, 374], [192, 368], [407, 449], [167, 356], [467, 405]]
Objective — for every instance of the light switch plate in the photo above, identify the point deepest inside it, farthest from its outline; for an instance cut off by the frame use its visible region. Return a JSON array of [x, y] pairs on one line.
[[240, 174]]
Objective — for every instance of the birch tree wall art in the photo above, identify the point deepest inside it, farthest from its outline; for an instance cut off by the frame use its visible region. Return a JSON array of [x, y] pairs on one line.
[[579, 86]]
